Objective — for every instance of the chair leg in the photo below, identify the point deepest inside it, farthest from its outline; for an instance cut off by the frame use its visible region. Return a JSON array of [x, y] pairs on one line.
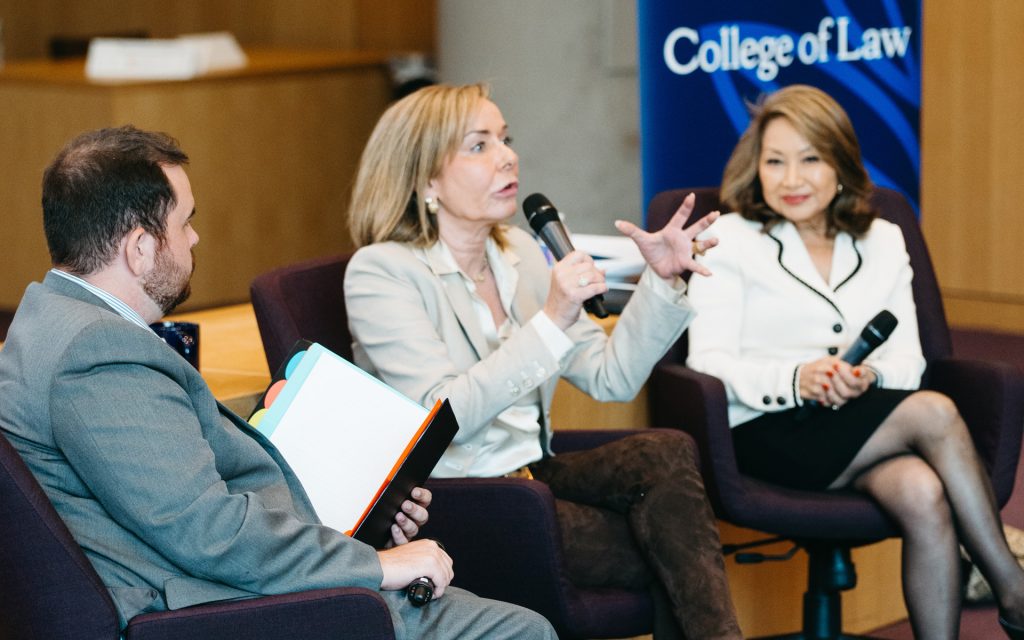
[[830, 571]]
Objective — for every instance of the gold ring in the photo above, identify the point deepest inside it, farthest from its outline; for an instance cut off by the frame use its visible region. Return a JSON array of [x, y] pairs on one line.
[[697, 250]]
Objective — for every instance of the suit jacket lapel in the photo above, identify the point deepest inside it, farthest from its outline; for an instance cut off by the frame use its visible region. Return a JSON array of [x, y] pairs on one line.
[[458, 297], [846, 260], [796, 261], [524, 299]]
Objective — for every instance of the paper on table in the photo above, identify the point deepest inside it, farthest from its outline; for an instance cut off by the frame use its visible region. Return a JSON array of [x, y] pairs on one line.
[[342, 431], [182, 58], [617, 255]]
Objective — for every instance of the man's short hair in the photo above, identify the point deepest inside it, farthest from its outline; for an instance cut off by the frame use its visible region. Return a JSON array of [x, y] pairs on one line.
[[101, 186]]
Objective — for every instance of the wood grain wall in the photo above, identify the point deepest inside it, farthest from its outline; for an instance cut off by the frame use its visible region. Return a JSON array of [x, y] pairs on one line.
[[973, 158], [340, 24]]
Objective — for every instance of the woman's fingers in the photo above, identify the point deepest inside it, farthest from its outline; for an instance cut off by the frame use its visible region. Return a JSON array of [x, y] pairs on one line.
[[682, 214]]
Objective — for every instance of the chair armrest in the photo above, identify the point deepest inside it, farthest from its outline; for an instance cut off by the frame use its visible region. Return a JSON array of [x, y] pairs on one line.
[[694, 402], [504, 537], [685, 399], [322, 614], [990, 397], [566, 440]]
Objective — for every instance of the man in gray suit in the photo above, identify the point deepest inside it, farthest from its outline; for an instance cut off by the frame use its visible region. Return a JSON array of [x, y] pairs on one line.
[[174, 500]]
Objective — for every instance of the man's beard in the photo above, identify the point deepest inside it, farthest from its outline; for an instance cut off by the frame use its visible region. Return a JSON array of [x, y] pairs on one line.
[[168, 284]]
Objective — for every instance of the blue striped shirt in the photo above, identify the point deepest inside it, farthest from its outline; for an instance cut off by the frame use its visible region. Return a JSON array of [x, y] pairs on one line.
[[112, 301]]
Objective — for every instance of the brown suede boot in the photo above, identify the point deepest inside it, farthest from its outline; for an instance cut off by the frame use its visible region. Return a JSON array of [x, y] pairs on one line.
[[652, 480]]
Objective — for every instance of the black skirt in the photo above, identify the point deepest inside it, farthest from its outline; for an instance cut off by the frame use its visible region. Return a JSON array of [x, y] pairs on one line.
[[809, 450]]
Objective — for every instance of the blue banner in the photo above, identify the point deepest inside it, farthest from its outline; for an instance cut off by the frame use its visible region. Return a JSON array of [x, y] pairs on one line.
[[702, 63]]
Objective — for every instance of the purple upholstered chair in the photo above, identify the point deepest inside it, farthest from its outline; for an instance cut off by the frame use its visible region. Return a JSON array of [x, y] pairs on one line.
[[48, 588], [502, 532], [990, 396]]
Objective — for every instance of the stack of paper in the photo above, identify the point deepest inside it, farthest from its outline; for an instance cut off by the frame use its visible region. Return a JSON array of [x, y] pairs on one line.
[[120, 59], [617, 255]]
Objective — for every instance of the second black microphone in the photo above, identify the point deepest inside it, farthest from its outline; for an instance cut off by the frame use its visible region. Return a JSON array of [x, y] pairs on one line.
[[545, 222]]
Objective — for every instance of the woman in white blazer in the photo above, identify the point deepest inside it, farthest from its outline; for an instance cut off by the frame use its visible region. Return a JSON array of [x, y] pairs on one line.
[[802, 266], [445, 299]]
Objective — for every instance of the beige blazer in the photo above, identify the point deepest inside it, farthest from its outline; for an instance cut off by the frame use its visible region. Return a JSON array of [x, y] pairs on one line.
[[414, 327]]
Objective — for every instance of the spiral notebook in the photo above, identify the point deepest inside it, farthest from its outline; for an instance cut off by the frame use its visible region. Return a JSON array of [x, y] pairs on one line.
[[358, 446]]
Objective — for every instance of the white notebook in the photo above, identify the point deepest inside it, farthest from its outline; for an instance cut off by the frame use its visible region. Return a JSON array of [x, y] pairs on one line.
[[353, 441]]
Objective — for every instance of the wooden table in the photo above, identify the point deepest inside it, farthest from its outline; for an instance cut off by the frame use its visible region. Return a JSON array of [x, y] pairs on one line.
[[768, 596], [231, 355]]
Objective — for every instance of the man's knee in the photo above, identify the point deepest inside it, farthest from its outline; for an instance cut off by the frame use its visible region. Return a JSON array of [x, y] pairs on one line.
[[512, 621], [461, 615]]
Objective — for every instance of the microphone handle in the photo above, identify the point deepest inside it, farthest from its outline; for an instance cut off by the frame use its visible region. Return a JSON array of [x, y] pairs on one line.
[[859, 350], [553, 234], [595, 306]]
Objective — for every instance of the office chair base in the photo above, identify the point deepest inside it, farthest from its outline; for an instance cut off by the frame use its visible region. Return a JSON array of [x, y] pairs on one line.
[[830, 572]]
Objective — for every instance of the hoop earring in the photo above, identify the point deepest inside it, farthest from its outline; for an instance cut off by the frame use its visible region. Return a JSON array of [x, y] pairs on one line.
[[431, 205]]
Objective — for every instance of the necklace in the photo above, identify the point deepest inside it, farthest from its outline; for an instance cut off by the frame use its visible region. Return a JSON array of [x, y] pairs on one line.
[[483, 273]]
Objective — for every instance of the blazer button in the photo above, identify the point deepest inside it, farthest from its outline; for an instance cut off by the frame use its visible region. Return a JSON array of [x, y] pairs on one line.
[[767, 400], [837, 328], [780, 401], [833, 351]]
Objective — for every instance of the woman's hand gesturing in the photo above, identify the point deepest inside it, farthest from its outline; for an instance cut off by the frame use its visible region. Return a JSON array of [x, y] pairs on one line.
[[670, 251]]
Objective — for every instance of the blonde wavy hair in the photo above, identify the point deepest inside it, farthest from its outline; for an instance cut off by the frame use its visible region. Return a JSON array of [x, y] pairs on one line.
[[819, 119], [409, 147]]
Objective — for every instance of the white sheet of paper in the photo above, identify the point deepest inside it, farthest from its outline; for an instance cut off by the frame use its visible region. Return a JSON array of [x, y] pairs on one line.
[[617, 255], [342, 432]]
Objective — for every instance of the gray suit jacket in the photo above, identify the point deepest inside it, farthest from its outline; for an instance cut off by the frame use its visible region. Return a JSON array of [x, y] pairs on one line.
[[414, 327], [174, 500]]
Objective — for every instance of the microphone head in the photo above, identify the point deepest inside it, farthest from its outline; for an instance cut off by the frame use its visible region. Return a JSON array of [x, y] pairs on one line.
[[535, 204], [880, 328]]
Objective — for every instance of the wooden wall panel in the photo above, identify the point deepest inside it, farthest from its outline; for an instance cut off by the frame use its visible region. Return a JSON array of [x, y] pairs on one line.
[[274, 149], [25, 257], [972, 160], [397, 24], [338, 24]]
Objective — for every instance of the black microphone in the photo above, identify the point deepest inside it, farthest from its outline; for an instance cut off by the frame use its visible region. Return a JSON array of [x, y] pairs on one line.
[[877, 331], [420, 591], [544, 220], [874, 334]]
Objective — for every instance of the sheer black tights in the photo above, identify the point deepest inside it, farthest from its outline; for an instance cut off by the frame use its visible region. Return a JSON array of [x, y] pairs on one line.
[[922, 468]]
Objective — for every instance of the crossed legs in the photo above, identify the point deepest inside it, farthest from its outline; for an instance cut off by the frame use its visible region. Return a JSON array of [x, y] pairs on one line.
[[645, 495], [921, 466]]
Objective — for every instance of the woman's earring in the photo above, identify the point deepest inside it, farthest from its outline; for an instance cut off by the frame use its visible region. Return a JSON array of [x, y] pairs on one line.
[[431, 205], [839, 188]]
